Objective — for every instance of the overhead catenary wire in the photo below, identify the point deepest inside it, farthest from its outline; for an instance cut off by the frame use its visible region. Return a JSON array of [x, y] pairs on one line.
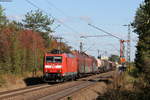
[[104, 31], [93, 36], [59, 10], [32, 4], [89, 48], [59, 21], [51, 4], [62, 12], [68, 27]]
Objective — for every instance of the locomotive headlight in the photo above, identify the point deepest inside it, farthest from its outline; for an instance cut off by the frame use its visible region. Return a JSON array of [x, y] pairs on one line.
[[48, 66], [58, 66]]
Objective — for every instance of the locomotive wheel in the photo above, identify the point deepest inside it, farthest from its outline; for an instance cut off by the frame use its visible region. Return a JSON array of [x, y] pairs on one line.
[[75, 78], [61, 80], [72, 79]]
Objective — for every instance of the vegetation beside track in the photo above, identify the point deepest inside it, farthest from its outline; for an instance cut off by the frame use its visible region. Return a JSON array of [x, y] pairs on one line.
[[138, 78], [126, 87], [23, 44], [11, 81]]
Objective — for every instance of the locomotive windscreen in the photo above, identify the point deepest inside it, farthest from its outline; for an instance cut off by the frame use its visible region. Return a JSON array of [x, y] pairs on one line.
[[54, 59]]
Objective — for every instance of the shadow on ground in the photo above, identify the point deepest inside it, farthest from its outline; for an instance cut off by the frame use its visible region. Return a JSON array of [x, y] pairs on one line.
[[37, 80], [33, 81], [107, 81]]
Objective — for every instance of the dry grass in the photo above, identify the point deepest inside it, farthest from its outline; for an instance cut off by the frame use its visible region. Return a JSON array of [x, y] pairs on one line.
[[121, 89], [125, 87], [11, 81]]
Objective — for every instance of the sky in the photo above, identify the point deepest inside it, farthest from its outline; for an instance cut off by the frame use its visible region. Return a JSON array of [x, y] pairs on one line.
[[73, 17]]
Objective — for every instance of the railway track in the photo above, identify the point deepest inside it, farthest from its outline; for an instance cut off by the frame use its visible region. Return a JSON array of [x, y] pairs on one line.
[[9, 94], [62, 93], [52, 92]]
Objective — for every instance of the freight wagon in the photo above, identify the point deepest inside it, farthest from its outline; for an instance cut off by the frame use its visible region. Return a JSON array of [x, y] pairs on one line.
[[105, 65]]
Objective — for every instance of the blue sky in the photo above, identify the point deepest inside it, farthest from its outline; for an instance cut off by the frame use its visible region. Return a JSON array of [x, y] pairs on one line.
[[75, 15]]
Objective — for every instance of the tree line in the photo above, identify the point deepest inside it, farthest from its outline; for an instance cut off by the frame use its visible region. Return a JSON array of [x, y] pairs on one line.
[[140, 89], [23, 44], [141, 25]]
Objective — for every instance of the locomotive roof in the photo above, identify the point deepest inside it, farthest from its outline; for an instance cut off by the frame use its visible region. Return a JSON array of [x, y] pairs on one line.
[[71, 54]]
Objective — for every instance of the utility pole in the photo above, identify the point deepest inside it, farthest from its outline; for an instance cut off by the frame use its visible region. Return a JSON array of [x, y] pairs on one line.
[[128, 45], [60, 40], [81, 47], [105, 53], [51, 37], [98, 52], [122, 58]]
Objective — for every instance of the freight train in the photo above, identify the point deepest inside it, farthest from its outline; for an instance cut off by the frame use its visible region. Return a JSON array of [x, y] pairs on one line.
[[69, 66], [105, 65]]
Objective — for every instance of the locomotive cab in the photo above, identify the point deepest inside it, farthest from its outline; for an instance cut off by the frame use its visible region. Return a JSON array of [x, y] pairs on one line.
[[53, 67], [59, 67]]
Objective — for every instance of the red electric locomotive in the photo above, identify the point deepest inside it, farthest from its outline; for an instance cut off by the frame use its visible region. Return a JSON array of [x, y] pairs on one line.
[[65, 66], [59, 67]]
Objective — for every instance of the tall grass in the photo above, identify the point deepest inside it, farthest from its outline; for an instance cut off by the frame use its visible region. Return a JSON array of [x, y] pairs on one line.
[[127, 87]]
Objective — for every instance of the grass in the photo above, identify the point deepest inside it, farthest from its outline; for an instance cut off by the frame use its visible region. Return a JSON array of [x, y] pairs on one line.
[[117, 94], [13, 81], [2, 81], [126, 87]]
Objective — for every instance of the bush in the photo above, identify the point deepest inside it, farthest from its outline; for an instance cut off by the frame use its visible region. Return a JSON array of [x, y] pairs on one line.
[[134, 72], [2, 81], [116, 94]]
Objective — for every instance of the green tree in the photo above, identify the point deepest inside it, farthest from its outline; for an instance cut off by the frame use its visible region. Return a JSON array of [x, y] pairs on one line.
[[40, 24], [3, 19], [141, 26], [114, 58], [37, 21], [16, 53]]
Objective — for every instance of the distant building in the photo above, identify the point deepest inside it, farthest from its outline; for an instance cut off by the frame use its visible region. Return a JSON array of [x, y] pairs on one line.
[[104, 57]]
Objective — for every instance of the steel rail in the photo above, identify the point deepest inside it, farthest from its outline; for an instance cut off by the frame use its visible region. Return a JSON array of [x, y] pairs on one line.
[[50, 91]]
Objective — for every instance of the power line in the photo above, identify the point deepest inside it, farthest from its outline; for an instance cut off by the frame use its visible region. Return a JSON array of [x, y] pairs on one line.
[[32, 4], [51, 4], [65, 25], [105, 31], [63, 13], [93, 36], [90, 47]]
